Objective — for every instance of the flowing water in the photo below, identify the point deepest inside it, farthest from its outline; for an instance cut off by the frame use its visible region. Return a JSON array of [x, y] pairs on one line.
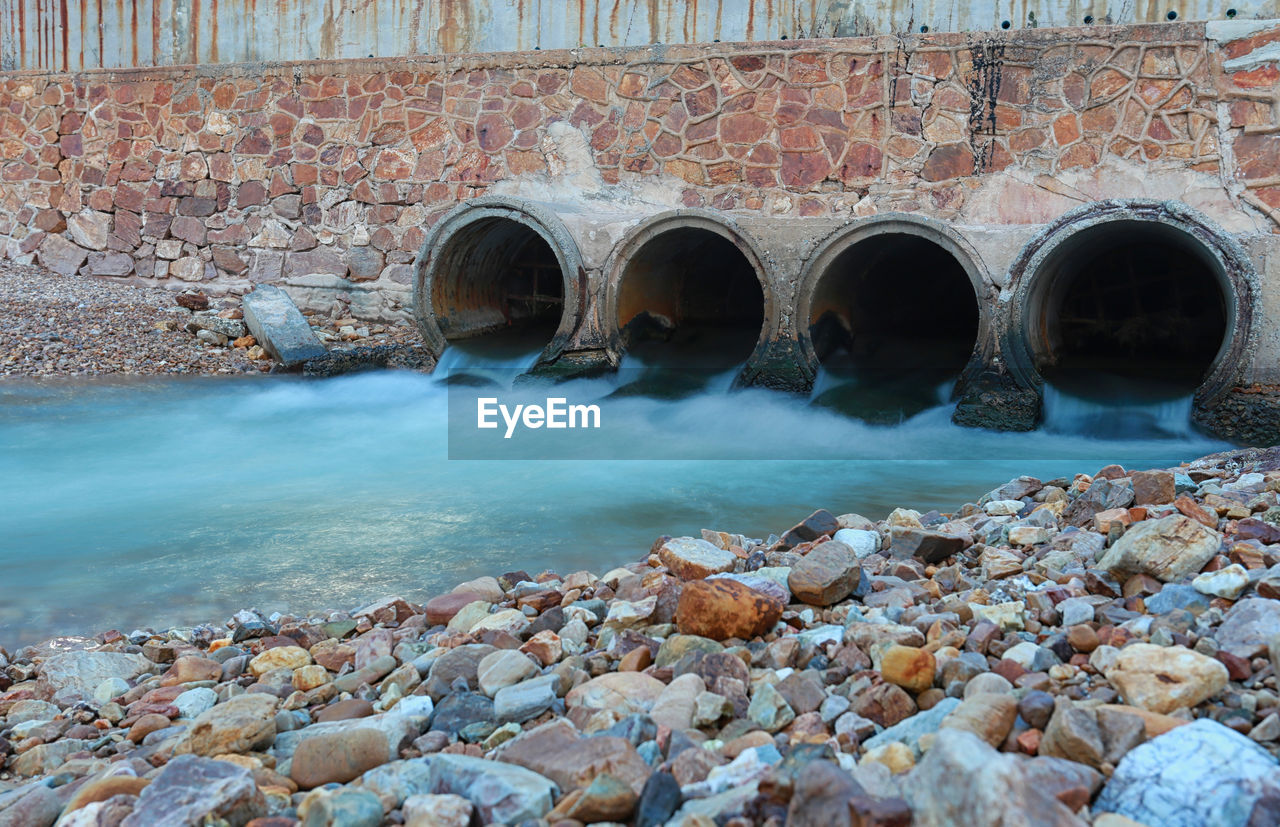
[[164, 502]]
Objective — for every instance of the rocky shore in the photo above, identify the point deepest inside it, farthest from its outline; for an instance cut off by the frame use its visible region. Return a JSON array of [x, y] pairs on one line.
[[1097, 650], [69, 325]]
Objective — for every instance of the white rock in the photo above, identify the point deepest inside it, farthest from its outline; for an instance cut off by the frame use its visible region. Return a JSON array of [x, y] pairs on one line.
[[109, 689], [1003, 508], [863, 543], [436, 811], [192, 703], [1075, 610], [1228, 582]]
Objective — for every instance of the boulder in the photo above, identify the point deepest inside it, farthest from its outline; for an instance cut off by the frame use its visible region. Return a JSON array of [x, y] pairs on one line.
[[556, 750], [279, 657], [908, 667], [437, 811], [826, 575], [1164, 678], [275, 322], [1249, 627], [501, 792], [1198, 774], [927, 545], [692, 559], [340, 807], [988, 715], [963, 780], [242, 724], [503, 668], [75, 675], [525, 700], [720, 609], [337, 757], [191, 790], [1170, 549]]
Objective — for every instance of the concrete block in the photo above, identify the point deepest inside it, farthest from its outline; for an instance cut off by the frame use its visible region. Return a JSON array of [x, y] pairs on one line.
[[276, 323]]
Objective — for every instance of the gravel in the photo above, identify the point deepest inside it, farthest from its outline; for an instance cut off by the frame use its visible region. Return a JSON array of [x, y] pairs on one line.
[[54, 325]]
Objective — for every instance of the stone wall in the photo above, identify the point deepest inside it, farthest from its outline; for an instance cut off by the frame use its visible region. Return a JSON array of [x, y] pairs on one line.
[[325, 176]]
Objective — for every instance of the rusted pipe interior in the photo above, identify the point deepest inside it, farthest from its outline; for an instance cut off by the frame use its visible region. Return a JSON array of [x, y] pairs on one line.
[[1135, 299], [690, 286], [493, 274]]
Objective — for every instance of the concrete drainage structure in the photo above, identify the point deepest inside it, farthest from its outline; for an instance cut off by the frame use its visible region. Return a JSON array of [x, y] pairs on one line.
[[979, 192], [1190, 307]]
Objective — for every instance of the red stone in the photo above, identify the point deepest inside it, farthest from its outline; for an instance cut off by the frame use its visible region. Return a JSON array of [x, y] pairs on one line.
[[948, 162], [802, 170]]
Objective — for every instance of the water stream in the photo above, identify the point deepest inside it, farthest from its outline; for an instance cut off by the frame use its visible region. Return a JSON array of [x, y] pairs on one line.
[[160, 502]]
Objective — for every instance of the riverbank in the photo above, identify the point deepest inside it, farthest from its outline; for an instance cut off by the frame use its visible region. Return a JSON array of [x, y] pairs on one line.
[[1050, 653], [56, 326]]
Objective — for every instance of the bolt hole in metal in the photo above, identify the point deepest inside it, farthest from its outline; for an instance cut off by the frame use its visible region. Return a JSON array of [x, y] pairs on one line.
[[1005, 24], [893, 321], [1172, 15], [1088, 19], [1231, 13]]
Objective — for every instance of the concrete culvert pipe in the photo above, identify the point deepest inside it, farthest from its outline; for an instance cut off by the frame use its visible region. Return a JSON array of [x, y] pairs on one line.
[[1128, 299], [889, 308], [497, 265], [686, 291]]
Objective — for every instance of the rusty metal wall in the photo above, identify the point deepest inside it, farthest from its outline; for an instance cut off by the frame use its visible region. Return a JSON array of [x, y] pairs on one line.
[[69, 35]]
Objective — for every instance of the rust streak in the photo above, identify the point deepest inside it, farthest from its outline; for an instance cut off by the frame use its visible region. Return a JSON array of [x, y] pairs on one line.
[[751, 20], [195, 32], [133, 29], [66, 33], [22, 32], [653, 21], [101, 34], [120, 22], [155, 32], [213, 31]]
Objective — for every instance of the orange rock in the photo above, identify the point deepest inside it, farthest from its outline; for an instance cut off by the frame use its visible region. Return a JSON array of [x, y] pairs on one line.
[[105, 788], [906, 666], [146, 725], [1103, 520], [636, 660], [338, 757], [1029, 741], [720, 609], [188, 669]]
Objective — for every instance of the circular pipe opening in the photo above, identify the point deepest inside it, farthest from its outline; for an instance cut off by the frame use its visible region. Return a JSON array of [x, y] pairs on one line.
[[690, 296], [892, 320], [1127, 301], [498, 274]]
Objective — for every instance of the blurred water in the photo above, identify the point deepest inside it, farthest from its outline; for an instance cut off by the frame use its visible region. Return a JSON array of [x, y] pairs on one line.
[[163, 502]]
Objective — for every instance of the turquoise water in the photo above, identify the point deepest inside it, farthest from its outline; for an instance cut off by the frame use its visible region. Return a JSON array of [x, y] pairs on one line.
[[168, 502]]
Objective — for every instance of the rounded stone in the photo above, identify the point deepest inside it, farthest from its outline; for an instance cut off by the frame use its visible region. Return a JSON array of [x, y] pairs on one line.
[[338, 757], [720, 609], [908, 667], [281, 657]]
